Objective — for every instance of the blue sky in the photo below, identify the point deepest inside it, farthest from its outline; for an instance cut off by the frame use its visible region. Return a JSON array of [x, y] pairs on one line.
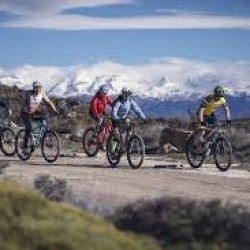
[[70, 32]]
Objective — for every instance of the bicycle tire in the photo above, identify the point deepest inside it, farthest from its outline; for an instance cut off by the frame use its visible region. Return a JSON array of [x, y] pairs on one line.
[[129, 155], [189, 153], [225, 141], [85, 142], [113, 158], [43, 142], [18, 142], [10, 133]]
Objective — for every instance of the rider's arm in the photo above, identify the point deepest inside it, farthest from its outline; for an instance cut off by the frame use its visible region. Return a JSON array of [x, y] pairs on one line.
[[94, 107], [110, 101], [48, 101], [137, 110], [115, 110], [27, 103], [201, 114], [228, 113]]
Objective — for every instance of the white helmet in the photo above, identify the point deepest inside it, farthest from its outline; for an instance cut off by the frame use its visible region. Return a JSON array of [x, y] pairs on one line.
[[104, 89], [37, 84]]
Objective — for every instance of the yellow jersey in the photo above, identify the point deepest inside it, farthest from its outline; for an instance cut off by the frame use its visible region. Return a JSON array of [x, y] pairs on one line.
[[211, 104]]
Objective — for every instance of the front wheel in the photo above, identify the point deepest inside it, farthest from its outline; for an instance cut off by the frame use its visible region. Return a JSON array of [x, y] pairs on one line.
[[50, 146], [90, 142], [24, 153], [114, 150], [223, 154], [136, 151], [195, 151], [7, 141]]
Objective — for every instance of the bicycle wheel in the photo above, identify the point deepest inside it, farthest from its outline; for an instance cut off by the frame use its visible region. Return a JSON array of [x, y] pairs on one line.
[[223, 154], [135, 151], [114, 150], [90, 142], [7, 141], [50, 146], [195, 151], [23, 153]]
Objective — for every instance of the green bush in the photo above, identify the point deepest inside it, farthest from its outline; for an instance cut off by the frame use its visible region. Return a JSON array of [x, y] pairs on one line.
[[180, 224], [30, 222]]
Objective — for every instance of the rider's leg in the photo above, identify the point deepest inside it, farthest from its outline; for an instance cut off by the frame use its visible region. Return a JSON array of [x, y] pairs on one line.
[[99, 124], [27, 122]]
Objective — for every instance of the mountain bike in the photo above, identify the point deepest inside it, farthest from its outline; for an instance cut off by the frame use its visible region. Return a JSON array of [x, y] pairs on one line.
[[126, 141], [40, 136], [206, 141], [95, 138], [7, 136]]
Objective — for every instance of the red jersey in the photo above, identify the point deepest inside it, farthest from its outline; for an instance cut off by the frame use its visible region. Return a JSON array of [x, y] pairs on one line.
[[98, 104]]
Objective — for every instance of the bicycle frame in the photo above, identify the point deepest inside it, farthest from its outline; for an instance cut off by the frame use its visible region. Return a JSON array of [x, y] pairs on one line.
[[129, 130], [104, 130], [36, 137], [213, 133]]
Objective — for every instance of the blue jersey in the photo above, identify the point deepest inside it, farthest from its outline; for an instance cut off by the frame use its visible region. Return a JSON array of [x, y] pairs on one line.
[[121, 110]]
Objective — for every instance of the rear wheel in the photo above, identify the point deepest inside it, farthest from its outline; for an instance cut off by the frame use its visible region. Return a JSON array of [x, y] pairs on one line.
[[136, 151], [223, 154], [90, 142], [114, 150], [7, 141], [50, 146], [23, 153], [195, 151]]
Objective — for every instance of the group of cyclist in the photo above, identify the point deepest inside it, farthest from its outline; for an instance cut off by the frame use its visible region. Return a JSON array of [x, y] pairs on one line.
[[121, 107]]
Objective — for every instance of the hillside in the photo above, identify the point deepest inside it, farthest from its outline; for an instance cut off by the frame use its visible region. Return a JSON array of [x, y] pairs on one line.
[[30, 222]]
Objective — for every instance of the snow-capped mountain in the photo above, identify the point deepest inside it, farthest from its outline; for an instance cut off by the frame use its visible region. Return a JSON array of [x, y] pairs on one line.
[[159, 97], [161, 88]]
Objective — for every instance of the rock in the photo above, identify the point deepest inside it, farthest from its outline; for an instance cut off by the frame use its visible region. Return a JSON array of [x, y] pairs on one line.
[[174, 137], [166, 149], [3, 165]]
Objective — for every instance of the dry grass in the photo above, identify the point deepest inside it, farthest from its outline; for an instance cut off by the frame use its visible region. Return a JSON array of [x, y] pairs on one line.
[[180, 224]]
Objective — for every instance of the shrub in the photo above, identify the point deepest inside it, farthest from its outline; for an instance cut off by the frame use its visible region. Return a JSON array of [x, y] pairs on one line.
[[52, 189], [181, 224], [30, 222], [240, 139]]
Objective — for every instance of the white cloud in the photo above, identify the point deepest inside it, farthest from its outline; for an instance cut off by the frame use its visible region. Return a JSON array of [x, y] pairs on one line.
[[47, 14], [142, 78], [79, 22], [48, 7]]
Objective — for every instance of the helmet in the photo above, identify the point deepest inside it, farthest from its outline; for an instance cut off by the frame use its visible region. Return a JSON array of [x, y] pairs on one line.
[[219, 91], [126, 91], [37, 84], [104, 89]]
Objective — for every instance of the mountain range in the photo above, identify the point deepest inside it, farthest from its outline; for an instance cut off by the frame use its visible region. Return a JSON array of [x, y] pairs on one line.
[[160, 98]]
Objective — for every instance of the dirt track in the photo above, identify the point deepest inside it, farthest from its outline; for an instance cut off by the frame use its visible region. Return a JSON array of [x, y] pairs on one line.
[[94, 179]]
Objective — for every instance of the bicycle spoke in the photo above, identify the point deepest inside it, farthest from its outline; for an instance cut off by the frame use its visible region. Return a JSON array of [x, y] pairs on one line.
[[136, 151], [195, 151], [8, 141], [223, 154], [90, 142], [50, 146], [23, 153]]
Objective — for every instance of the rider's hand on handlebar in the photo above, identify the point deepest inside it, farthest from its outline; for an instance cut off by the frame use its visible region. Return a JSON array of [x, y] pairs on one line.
[[203, 124], [229, 122], [128, 121]]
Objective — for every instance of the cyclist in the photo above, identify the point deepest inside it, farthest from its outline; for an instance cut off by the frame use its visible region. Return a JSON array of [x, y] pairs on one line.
[[98, 107], [32, 110], [209, 106], [122, 107], [6, 112]]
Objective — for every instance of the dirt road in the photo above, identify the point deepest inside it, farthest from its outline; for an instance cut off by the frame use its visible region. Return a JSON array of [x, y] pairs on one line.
[[93, 179]]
